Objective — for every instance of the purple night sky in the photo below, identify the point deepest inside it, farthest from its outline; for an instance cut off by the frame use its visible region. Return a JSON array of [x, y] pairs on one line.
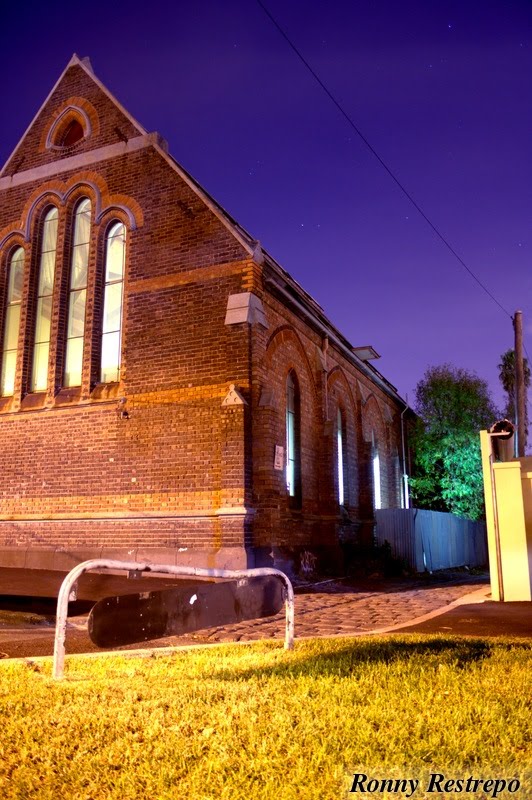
[[441, 89]]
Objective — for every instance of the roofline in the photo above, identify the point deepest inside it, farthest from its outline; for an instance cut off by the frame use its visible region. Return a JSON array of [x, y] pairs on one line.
[[323, 325], [86, 66], [244, 238], [312, 307]]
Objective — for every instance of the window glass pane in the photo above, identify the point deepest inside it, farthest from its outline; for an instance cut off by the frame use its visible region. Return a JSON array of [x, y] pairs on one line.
[[290, 478], [80, 259], [82, 225], [114, 262], [112, 305], [74, 359], [76, 314], [12, 325], [40, 367], [73, 134], [340, 460], [46, 275], [9, 363], [290, 437], [112, 308], [110, 357], [84, 206], [16, 276], [78, 295], [117, 229], [290, 394], [376, 480], [49, 238], [44, 316], [12, 322]]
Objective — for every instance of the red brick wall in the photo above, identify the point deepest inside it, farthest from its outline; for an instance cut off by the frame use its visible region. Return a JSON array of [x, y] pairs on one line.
[[327, 382], [76, 88], [74, 473], [178, 475]]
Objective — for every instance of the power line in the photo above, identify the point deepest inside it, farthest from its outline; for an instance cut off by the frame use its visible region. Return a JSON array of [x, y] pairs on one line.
[[380, 160]]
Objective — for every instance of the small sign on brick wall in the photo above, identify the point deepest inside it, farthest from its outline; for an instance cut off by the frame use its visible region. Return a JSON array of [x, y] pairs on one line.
[[278, 462]]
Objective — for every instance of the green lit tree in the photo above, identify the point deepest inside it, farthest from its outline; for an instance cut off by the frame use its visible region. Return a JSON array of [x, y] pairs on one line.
[[453, 405]]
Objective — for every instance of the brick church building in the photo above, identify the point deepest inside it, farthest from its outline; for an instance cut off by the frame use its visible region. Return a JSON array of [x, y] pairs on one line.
[[167, 391]]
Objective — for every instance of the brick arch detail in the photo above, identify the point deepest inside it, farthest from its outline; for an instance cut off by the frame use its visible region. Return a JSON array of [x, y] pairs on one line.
[[49, 196], [337, 375], [115, 206], [95, 186], [371, 406], [286, 334], [77, 108], [11, 236]]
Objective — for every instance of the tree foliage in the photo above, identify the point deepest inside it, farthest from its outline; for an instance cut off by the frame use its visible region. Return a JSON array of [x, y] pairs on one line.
[[507, 378], [453, 405]]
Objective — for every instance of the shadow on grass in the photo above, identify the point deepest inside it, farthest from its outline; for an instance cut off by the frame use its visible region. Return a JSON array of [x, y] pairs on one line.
[[342, 661]]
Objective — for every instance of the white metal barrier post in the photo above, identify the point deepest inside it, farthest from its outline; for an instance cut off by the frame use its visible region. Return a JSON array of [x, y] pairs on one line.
[[69, 586]]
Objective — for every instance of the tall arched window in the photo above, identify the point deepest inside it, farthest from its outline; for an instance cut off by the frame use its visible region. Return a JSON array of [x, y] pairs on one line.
[[77, 295], [115, 255], [43, 316], [15, 277], [340, 456], [293, 438], [376, 468]]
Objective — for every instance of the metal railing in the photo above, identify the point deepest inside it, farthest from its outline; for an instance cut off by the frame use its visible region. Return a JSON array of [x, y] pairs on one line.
[[67, 592]]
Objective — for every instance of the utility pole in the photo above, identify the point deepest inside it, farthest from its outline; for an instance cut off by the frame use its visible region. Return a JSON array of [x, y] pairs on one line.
[[519, 383]]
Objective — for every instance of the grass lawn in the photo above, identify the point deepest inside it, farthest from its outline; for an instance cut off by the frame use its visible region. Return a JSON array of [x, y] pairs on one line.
[[258, 722]]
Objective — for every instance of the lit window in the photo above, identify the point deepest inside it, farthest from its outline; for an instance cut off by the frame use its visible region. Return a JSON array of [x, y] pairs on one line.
[[340, 457], [115, 252], [77, 296], [377, 501], [43, 316], [11, 326], [293, 449]]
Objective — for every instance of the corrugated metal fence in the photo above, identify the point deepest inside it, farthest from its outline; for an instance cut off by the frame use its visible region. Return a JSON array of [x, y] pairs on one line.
[[430, 540]]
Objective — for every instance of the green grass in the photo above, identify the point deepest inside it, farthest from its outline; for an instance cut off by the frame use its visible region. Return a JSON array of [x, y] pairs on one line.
[[258, 722]]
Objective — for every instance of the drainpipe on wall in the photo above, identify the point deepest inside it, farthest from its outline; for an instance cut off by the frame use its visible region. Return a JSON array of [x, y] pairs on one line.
[[406, 495]]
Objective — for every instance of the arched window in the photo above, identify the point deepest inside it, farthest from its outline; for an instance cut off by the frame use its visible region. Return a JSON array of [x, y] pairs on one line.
[[43, 316], [115, 255], [376, 468], [15, 277], [71, 127], [77, 294], [340, 456], [72, 134], [293, 438]]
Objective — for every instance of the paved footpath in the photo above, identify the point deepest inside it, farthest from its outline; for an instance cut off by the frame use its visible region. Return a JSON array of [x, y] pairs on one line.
[[336, 610], [332, 608]]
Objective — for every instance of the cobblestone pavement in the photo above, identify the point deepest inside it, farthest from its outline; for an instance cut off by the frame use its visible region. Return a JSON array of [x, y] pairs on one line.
[[342, 610], [330, 609]]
